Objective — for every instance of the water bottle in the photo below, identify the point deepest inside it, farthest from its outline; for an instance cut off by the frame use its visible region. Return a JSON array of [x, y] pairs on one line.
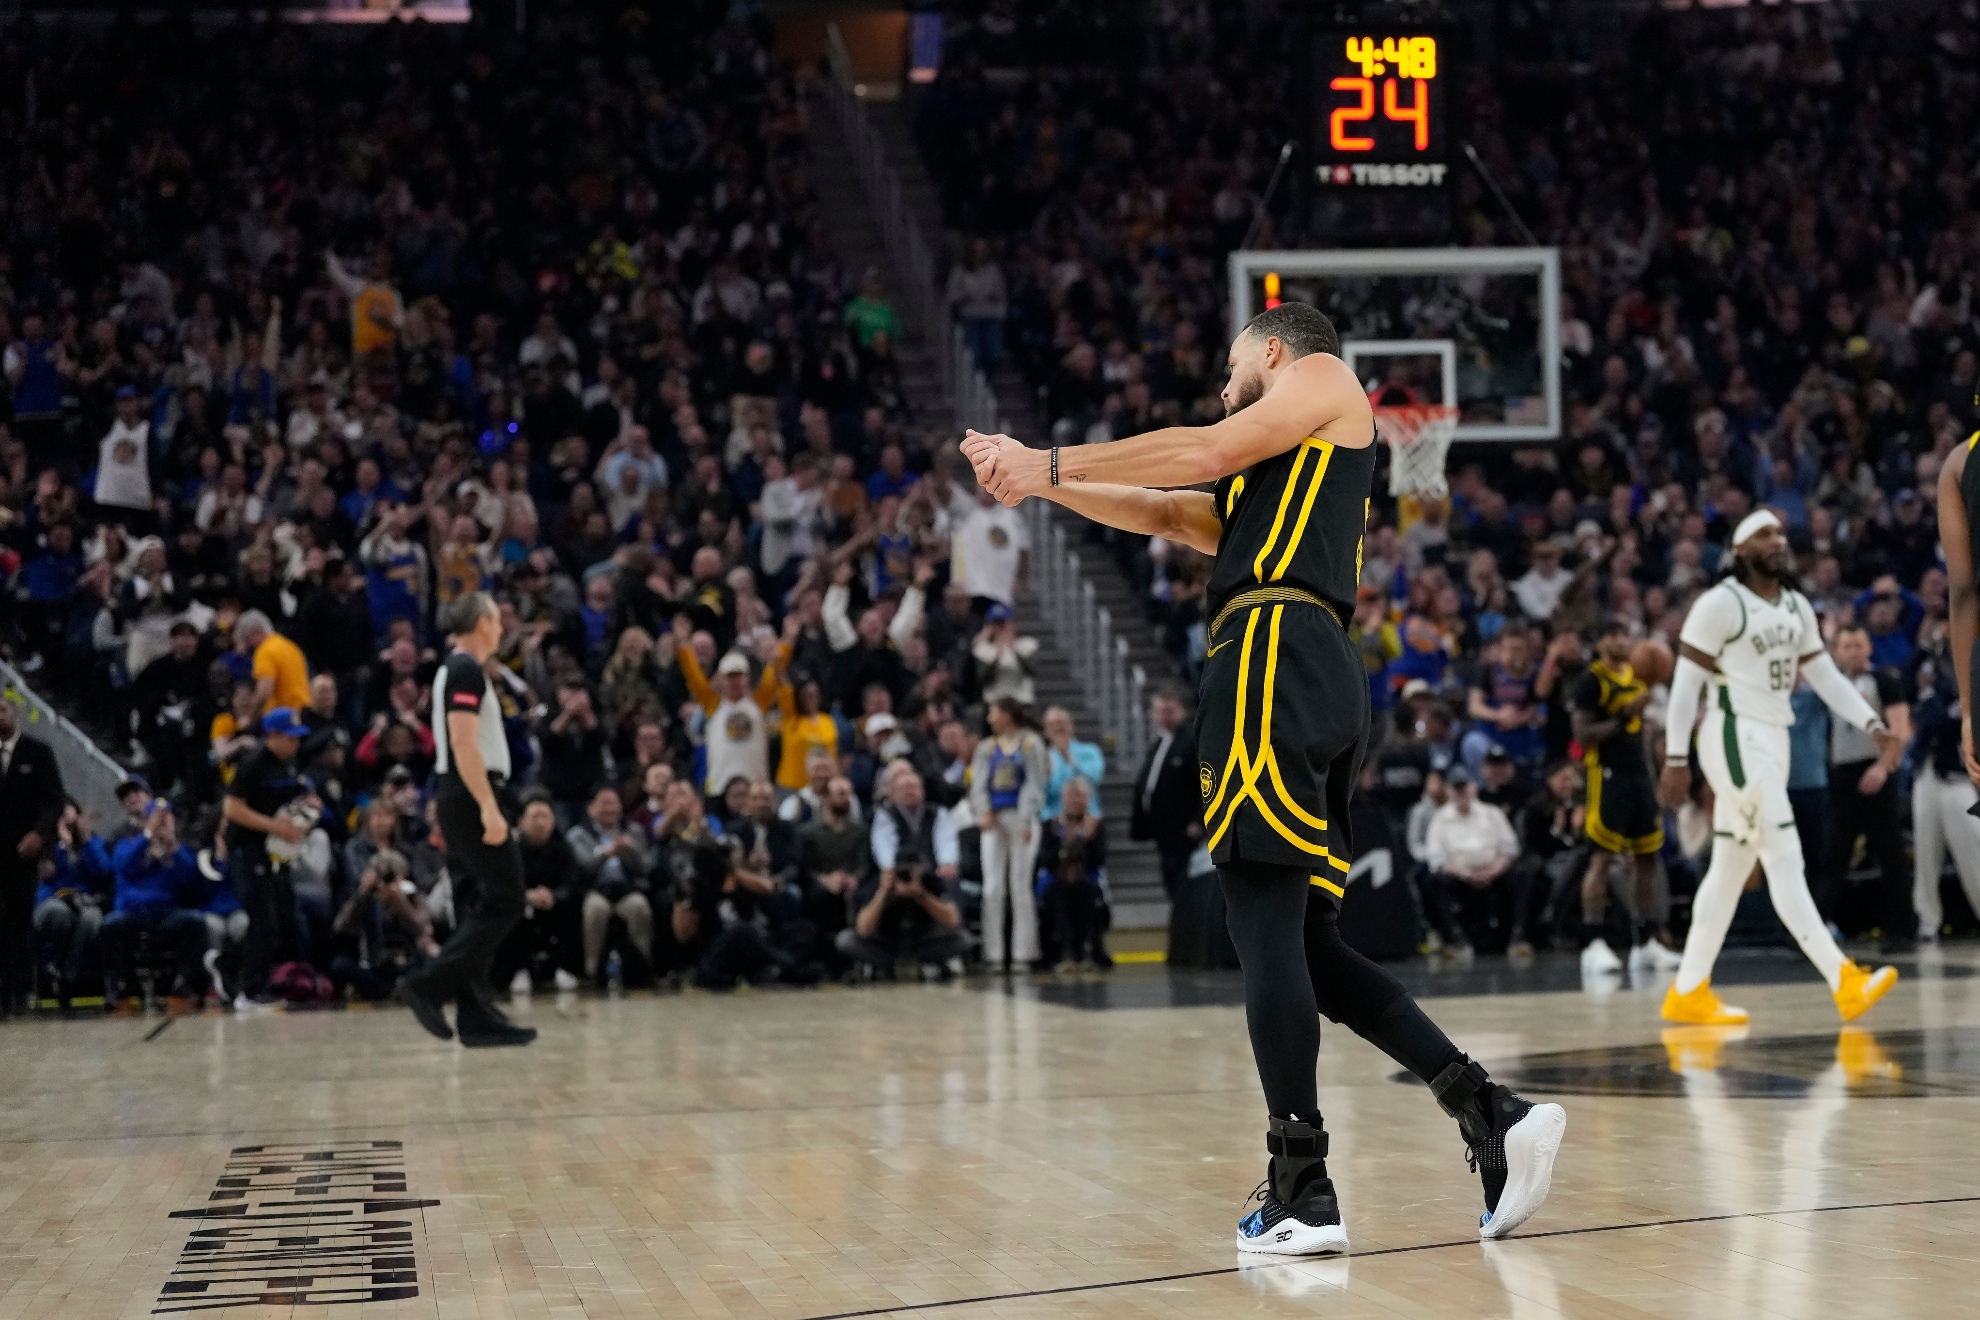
[[614, 972]]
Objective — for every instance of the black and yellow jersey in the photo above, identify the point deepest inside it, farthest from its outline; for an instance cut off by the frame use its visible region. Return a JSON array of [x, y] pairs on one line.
[[1601, 693], [1969, 489], [1295, 520]]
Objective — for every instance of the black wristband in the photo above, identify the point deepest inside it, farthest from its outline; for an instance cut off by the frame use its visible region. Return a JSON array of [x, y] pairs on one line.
[[1055, 465]]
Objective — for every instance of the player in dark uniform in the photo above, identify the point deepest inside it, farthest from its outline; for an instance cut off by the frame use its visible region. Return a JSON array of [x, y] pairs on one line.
[[1624, 818], [471, 802], [1959, 538], [1281, 726]]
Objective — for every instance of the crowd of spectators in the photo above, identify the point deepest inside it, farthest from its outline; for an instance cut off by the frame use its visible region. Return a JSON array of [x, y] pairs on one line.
[[309, 333], [1769, 250]]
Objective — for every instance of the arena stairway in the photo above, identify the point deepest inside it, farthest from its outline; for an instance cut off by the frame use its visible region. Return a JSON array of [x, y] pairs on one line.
[[1134, 872]]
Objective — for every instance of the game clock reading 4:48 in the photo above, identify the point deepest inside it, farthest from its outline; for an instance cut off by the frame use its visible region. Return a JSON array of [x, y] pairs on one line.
[[1381, 109]]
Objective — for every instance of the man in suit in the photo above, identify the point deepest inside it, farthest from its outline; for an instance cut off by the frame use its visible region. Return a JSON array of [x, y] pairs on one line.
[[30, 807], [1168, 806]]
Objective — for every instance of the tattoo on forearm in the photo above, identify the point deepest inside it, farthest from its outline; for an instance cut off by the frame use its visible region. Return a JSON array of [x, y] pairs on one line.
[[1075, 476]]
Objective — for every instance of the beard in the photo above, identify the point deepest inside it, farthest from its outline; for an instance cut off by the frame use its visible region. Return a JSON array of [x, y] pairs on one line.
[[1780, 568], [1246, 392]]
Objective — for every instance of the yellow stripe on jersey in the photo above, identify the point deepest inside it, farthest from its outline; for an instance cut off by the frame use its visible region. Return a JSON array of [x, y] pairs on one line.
[[1306, 510], [1230, 500], [1279, 519]]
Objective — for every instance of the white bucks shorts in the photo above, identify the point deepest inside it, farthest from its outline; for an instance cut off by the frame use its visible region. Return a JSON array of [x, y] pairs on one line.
[[1746, 763]]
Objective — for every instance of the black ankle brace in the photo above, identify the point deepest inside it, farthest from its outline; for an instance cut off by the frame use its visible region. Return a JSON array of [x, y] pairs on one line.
[[1457, 1088], [1299, 1155]]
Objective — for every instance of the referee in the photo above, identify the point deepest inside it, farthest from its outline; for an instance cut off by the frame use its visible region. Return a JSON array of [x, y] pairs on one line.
[[472, 770]]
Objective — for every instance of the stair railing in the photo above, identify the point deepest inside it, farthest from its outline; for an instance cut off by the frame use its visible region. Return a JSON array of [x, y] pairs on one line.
[[1114, 689]]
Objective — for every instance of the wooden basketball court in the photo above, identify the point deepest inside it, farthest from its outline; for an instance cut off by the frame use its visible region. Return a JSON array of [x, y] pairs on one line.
[[1054, 1149]]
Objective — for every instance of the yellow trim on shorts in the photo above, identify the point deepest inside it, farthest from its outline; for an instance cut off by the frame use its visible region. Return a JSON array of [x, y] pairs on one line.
[[1328, 885], [1601, 835], [1266, 764]]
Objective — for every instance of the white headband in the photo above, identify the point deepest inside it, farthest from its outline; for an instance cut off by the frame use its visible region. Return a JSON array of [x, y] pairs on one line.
[[1753, 522]]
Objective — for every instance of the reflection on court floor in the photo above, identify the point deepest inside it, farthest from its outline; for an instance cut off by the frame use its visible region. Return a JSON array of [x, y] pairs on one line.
[[1906, 1062]]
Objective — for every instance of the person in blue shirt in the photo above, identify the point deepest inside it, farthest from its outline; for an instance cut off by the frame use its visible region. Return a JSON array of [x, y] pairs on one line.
[[69, 899], [891, 477], [1068, 757], [49, 579], [1892, 614], [372, 485], [158, 892]]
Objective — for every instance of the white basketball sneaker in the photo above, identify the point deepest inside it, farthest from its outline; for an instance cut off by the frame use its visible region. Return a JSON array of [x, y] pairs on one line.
[[1598, 959], [1652, 957], [1510, 1142]]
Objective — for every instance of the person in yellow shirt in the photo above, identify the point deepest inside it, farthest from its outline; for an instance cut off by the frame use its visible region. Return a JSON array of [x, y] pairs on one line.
[[281, 675], [807, 725], [235, 732], [377, 311]]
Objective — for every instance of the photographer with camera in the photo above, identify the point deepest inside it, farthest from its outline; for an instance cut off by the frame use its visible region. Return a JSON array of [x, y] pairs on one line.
[[904, 911], [724, 914], [386, 918]]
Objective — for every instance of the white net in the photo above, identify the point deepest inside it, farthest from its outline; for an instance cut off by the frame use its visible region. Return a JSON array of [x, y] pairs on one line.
[[1419, 436]]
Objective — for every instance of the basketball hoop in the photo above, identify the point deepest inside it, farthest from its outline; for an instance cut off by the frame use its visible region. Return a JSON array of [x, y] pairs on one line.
[[1419, 436]]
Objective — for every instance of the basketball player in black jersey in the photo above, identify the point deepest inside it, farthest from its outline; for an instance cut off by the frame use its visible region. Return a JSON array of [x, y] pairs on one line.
[[471, 770], [1959, 538], [1282, 721]]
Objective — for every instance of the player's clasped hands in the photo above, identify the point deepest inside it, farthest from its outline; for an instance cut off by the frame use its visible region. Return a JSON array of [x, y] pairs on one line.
[[1004, 467]]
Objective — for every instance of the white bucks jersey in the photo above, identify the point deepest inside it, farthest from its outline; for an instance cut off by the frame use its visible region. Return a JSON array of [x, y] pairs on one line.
[[1759, 645], [461, 687]]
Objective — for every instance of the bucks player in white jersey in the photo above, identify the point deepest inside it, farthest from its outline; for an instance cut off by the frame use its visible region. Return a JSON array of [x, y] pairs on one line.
[[1743, 645]]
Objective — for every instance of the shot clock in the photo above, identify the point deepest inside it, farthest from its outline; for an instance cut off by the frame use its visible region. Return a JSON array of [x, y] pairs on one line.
[[1381, 137]]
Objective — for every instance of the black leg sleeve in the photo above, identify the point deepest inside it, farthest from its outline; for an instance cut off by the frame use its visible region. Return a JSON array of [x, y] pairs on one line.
[[1266, 907], [1363, 997]]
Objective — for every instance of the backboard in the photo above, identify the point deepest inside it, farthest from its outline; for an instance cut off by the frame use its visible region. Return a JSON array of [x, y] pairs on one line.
[[1481, 327]]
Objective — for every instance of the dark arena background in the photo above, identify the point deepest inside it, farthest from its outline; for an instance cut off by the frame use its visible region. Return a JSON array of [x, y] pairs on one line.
[[874, 956]]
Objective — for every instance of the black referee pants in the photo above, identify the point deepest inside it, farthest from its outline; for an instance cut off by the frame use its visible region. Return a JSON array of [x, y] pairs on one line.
[[1297, 968], [1872, 817], [488, 902]]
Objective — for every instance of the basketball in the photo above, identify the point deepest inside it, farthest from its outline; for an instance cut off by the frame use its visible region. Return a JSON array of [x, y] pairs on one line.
[[1652, 661]]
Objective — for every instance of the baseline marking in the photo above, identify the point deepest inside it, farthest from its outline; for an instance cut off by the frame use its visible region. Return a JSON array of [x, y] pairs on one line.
[[1385, 1251]]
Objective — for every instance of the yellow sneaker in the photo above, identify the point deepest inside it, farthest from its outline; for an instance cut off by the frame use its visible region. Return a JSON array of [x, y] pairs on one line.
[[1861, 987], [1699, 1049], [1863, 1059], [1700, 1008]]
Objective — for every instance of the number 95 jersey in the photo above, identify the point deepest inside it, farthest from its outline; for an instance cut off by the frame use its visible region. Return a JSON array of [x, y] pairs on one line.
[[1759, 645]]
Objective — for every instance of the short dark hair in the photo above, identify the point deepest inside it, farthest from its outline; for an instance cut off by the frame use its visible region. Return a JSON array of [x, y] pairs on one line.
[[535, 795], [1302, 328], [460, 615]]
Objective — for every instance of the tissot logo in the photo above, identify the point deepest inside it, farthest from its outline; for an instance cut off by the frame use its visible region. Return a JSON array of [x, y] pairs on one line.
[[1381, 176], [300, 1225]]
